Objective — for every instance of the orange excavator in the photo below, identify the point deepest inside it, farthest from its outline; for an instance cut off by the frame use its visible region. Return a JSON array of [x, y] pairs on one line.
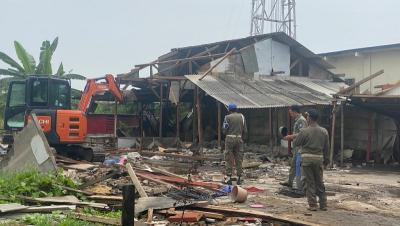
[[50, 99]]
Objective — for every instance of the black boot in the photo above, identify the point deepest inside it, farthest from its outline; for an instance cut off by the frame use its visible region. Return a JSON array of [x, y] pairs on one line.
[[239, 180]]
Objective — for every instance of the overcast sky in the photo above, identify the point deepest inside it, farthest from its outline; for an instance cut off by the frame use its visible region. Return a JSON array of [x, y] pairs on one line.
[[102, 36]]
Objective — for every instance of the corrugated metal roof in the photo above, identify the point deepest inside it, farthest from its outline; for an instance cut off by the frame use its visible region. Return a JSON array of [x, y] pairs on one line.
[[265, 93]]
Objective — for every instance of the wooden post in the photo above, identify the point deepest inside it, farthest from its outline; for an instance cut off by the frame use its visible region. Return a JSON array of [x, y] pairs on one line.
[[332, 133], [151, 71], [194, 135], [161, 111], [290, 132], [128, 205], [219, 123], [271, 130], [115, 123], [369, 144], [199, 123], [141, 126], [178, 119], [341, 133]]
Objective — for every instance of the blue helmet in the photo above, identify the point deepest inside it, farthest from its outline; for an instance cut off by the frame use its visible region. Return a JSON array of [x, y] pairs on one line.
[[232, 106]]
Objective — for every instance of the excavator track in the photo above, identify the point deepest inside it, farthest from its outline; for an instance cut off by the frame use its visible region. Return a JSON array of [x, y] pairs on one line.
[[80, 152]]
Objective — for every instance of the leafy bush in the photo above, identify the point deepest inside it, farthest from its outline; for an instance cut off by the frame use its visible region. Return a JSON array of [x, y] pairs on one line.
[[33, 183]]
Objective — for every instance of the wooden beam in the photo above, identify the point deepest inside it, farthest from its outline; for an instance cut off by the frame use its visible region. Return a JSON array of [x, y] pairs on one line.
[[332, 133], [294, 64], [154, 92], [397, 84], [341, 133], [362, 81], [178, 123], [254, 213], [220, 61], [271, 130], [199, 123], [141, 127], [369, 141], [171, 155], [139, 188], [161, 111], [219, 123], [194, 121], [178, 62]]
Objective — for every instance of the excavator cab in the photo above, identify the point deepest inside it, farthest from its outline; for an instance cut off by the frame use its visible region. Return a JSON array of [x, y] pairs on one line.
[[50, 99], [34, 93]]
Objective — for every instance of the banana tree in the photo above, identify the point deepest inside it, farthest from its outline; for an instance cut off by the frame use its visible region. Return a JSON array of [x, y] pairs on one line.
[[27, 65]]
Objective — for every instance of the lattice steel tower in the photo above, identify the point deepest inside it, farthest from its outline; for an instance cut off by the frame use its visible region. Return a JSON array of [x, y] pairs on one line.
[[273, 16]]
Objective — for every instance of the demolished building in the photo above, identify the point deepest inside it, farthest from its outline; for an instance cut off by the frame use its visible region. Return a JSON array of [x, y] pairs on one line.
[[262, 74]]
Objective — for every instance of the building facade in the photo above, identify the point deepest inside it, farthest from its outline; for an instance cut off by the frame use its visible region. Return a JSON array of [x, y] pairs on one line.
[[360, 63]]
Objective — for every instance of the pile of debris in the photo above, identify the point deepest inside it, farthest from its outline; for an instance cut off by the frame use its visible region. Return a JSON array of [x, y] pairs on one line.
[[167, 185]]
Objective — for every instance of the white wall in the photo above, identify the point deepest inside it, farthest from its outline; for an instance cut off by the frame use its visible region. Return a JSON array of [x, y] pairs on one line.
[[365, 64], [272, 55]]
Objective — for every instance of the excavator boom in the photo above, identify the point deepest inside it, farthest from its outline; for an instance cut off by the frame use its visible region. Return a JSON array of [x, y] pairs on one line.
[[94, 87]]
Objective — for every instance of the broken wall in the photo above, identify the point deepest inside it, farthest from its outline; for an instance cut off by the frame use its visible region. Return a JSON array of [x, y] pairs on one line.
[[356, 126]]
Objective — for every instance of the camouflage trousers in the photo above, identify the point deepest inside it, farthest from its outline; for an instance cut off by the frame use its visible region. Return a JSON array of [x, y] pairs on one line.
[[312, 169], [233, 155], [292, 170]]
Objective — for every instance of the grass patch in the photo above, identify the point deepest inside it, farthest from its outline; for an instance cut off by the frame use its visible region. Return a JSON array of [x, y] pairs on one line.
[[110, 214], [54, 219], [33, 183]]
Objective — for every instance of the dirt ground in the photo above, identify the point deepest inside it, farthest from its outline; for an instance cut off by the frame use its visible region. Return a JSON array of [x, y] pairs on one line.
[[356, 196]]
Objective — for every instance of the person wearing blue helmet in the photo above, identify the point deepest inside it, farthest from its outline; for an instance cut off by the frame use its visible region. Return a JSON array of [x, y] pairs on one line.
[[235, 129]]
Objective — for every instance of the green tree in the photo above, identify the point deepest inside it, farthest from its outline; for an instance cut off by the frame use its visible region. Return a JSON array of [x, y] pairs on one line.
[[27, 66]]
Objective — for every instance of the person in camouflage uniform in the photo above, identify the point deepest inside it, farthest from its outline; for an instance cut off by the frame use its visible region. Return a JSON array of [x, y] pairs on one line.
[[299, 123], [235, 128], [314, 144]]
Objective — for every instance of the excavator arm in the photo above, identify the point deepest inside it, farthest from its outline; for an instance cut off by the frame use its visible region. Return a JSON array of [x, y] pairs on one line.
[[93, 87]]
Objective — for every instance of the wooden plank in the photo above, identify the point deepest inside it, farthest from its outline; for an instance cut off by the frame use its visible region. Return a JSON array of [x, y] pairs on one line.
[[135, 180], [106, 197], [139, 188], [397, 84], [69, 199], [110, 174], [211, 158], [48, 209], [167, 173], [81, 166], [362, 81], [220, 61], [205, 213], [187, 216], [254, 213], [75, 190], [146, 177], [97, 219], [11, 207]]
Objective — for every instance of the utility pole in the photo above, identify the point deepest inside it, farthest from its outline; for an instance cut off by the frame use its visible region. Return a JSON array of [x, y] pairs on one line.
[[269, 16]]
